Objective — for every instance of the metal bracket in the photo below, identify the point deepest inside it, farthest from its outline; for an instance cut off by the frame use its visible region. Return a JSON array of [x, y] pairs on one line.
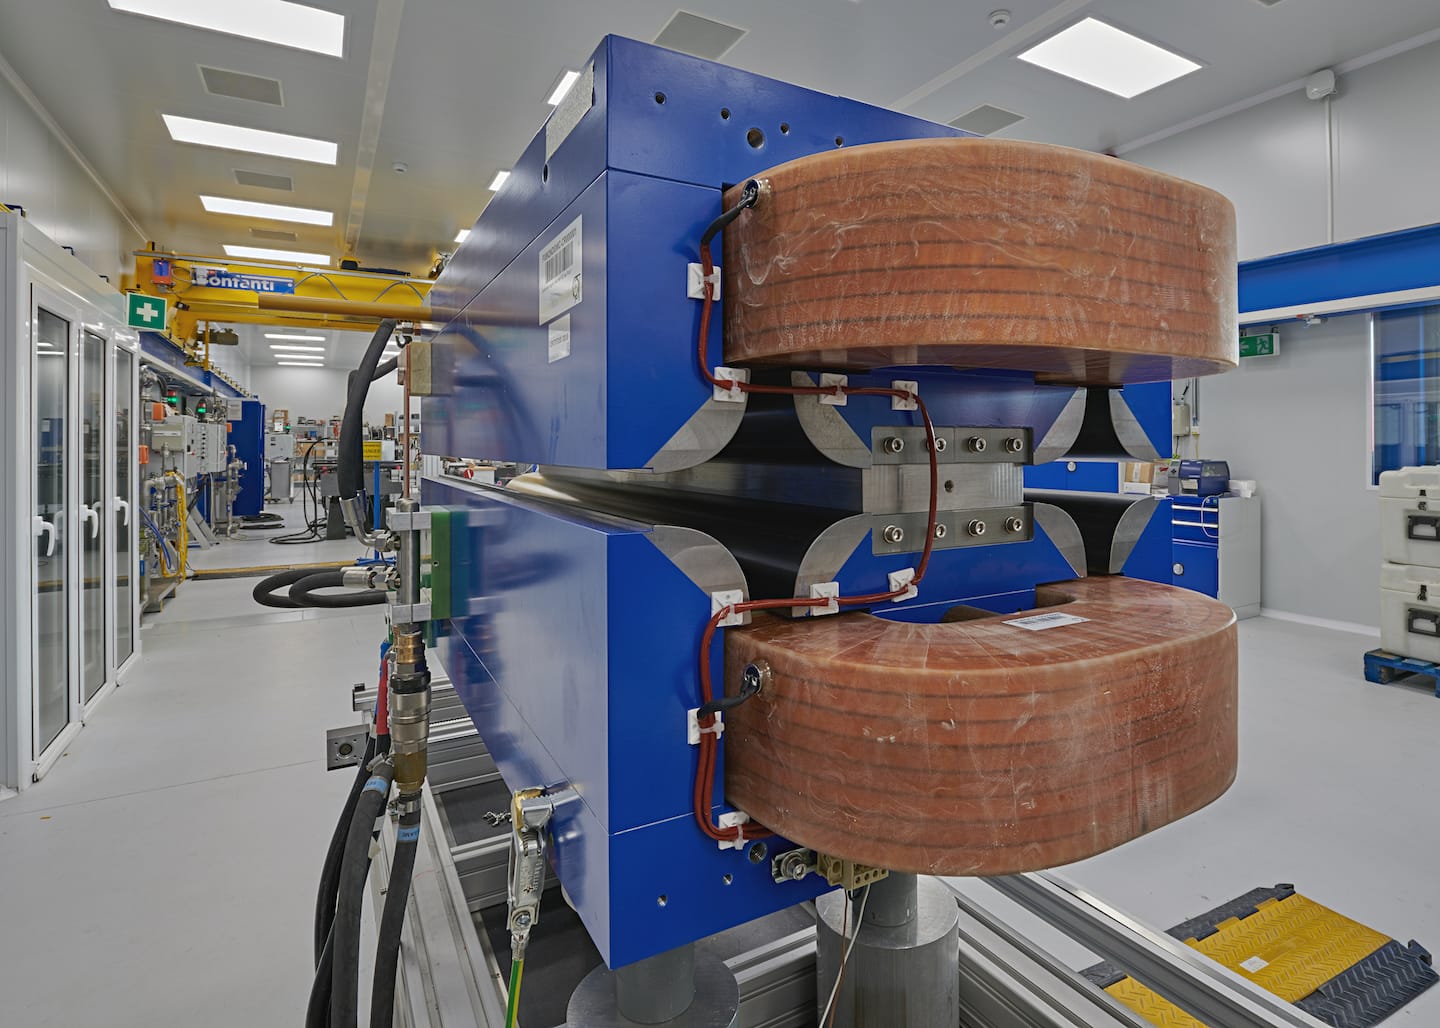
[[345, 746], [695, 281], [410, 613], [733, 375], [408, 520], [837, 382], [363, 698]]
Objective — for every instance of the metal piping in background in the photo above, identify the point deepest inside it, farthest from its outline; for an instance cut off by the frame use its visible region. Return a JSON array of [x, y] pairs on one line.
[[347, 308]]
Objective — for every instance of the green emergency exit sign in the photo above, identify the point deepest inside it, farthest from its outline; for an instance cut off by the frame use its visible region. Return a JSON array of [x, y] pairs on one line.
[[1266, 345], [142, 311]]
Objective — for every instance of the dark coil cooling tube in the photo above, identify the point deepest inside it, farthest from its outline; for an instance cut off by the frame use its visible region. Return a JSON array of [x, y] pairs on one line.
[[305, 592], [330, 872], [387, 949], [349, 465], [354, 868]]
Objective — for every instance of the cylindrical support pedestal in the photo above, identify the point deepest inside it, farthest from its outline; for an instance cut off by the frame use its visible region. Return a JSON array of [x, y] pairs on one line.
[[676, 989], [901, 974]]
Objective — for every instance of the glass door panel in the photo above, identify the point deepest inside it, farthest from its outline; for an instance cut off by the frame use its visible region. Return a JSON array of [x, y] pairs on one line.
[[125, 572], [51, 570], [94, 525]]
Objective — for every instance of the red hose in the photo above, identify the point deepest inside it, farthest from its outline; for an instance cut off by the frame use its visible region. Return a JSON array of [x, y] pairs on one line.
[[382, 699]]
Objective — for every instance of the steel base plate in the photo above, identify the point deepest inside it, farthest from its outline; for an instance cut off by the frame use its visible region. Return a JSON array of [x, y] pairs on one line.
[[717, 1000]]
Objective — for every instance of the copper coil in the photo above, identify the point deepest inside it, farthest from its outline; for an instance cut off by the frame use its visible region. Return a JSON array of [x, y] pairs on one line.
[[980, 747], [981, 253]]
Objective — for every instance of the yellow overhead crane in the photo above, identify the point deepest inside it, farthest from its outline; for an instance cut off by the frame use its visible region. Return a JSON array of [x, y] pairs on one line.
[[204, 291]]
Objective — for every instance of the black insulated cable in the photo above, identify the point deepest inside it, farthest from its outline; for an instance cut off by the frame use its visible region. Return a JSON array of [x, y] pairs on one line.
[[330, 871], [349, 466], [317, 1010], [264, 591], [354, 869], [392, 920], [749, 194]]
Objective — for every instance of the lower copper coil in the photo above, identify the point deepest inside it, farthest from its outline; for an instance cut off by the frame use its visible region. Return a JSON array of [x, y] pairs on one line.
[[980, 747]]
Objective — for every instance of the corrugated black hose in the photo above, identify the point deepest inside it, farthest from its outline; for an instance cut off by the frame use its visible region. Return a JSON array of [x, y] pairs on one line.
[[387, 949], [330, 871], [354, 869]]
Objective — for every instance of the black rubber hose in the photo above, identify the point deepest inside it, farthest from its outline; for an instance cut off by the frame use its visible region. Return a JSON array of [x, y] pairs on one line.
[[317, 1011], [354, 868], [304, 592], [387, 949], [264, 592], [330, 871], [349, 467], [385, 369]]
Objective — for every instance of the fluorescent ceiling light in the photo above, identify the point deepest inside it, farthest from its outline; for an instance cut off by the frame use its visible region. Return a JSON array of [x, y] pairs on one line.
[[260, 253], [269, 211], [294, 338], [1103, 56], [299, 364], [292, 348], [498, 180], [248, 140], [270, 21], [563, 86], [462, 235]]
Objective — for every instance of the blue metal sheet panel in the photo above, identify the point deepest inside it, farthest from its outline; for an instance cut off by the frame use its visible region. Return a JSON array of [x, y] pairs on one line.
[[1151, 558], [684, 139], [1362, 267], [1150, 403], [1091, 476]]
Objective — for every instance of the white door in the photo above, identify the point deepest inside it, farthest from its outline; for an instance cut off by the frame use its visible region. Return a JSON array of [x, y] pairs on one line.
[[126, 618]]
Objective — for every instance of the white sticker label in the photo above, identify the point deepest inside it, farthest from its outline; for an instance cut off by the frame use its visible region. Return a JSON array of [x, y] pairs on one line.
[[1254, 964], [1040, 622], [560, 286], [559, 338]]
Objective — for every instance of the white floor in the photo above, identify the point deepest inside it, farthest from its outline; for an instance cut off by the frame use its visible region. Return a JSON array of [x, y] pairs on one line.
[[163, 873]]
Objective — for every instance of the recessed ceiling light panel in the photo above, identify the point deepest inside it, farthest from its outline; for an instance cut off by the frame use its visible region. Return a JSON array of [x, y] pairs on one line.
[[248, 140], [261, 253], [269, 21], [297, 349], [299, 364], [267, 211], [498, 180], [462, 235], [1100, 55], [294, 338], [568, 79]]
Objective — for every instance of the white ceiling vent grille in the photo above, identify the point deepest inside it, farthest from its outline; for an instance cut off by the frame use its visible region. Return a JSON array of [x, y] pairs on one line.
[[1268, 3], [260, 180], [986, 120], [280, 235], [697, 36], [239, 86]]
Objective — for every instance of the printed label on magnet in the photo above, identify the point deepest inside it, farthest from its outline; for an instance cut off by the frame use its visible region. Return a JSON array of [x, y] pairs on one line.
[[1254, 964], [560, 285], [559, 338], [1040, 622]]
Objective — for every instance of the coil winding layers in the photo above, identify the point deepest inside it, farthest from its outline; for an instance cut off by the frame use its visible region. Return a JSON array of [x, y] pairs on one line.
[[975, 746]]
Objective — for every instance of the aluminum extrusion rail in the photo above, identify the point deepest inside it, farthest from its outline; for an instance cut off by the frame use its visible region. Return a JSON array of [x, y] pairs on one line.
[[1208, 991]]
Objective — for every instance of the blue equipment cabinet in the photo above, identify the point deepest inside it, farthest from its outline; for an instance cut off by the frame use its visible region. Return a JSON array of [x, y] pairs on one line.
[[570, 343]]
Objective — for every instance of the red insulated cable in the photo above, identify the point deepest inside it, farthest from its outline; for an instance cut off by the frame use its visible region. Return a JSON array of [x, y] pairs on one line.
[[706, 767]]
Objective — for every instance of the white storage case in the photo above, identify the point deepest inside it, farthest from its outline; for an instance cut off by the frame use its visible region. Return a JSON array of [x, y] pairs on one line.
[[1410, 516], [1410, 611]]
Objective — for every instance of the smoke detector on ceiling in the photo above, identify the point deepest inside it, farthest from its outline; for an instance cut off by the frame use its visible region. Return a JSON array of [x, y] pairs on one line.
[[999, 19], [1320, 85]]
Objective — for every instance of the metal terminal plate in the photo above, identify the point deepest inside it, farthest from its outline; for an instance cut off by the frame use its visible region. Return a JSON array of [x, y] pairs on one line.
[[410, 613], [906, 444], [345, 746], [988, 526]]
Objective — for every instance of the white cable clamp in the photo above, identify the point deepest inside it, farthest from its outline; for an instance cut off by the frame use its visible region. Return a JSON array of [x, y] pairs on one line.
[[908, 402], [837, 382], [693, 731], [735, 376], [695, 281], [735, 819], [723, 599], [823, 591], [903, 579]]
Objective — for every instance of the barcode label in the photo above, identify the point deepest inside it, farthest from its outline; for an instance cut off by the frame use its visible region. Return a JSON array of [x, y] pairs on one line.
[[1040, 622], [560, 280]]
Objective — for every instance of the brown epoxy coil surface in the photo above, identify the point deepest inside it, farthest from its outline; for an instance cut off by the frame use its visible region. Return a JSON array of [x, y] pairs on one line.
[[979, 747], [982, 253]]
